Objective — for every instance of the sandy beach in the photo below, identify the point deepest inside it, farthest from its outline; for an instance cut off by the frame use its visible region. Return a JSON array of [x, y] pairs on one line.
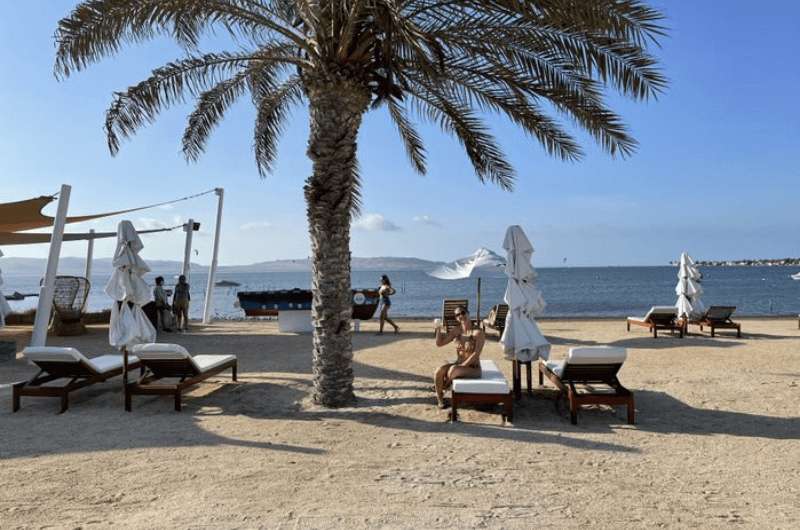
[[717, 440]]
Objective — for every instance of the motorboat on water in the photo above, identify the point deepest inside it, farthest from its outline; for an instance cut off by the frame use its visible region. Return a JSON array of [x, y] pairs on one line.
[[795, 276]]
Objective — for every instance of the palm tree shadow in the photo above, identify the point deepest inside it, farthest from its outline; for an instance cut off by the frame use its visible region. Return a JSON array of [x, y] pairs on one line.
[[96, 421], [555, 340], [666, 342], [659, 412], [668, 415]]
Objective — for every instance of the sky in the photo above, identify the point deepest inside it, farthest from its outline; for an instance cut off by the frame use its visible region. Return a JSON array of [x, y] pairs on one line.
[[716, 172]]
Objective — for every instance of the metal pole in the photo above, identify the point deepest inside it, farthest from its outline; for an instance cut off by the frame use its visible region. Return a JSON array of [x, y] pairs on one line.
[[215, 254], [187, 251], [89, 254], [39, 336], [478, 312]]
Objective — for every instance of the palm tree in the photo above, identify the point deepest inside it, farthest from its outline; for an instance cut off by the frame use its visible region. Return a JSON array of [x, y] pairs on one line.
[[449, 62]]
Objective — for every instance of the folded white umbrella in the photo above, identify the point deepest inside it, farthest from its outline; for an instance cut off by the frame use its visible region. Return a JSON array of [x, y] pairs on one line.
[[129, 325], [5, 309], [522, 340], [471, 266], [689, 289]]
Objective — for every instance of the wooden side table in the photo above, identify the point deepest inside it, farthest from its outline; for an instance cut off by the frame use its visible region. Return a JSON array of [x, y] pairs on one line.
[[517, 376]]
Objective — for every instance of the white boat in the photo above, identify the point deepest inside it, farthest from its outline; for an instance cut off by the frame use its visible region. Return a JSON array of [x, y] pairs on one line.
[[795, 276]]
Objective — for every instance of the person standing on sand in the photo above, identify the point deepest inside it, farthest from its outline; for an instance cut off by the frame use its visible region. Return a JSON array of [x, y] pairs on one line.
[[162, 304], [180, 304], [385, 291]]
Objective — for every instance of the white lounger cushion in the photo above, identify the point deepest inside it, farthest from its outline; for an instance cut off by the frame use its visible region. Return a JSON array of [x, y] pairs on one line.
[[492, 381], [661, 310], [101, 364], [589, 355], [202, 363]]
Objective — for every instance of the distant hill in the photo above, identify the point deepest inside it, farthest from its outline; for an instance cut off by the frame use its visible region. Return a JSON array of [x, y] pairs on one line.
[[71, 265], [76, 266]]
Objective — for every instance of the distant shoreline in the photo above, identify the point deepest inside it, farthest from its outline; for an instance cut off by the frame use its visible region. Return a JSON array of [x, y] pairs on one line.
[[785, 262]]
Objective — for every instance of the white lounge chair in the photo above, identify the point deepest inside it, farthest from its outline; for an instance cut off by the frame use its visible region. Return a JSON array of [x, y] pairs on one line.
[[161, 361], [491, 387], [659, 317], [591, 365], [65, 363]]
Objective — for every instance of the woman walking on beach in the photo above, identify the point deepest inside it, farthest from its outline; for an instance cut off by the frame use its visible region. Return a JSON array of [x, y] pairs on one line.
[[385, 291], [180, 304], [469, 344]]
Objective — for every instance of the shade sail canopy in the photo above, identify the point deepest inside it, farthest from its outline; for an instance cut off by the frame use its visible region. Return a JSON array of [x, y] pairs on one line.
[[27, 214], [522, 340], [28, 238], [481, 259], [129, 325]]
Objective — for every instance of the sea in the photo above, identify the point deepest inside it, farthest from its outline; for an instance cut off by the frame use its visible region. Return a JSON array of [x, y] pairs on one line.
[[568, 291]]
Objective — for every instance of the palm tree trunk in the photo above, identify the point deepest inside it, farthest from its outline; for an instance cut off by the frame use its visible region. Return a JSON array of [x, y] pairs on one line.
[[335, 112]]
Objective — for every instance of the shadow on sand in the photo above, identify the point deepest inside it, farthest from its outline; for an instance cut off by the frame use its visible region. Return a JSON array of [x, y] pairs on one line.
[[275, 385]]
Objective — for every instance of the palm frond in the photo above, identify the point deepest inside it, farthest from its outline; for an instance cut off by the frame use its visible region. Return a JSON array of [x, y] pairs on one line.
[[411, 139], [273, 109], [479, 145], [98, 28], [170, 84], [210, 109]]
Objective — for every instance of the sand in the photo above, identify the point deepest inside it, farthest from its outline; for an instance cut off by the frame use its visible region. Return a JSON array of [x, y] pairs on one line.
[[717, 441]]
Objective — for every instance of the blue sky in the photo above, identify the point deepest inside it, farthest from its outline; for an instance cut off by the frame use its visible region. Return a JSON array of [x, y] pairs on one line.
[[716, 172]]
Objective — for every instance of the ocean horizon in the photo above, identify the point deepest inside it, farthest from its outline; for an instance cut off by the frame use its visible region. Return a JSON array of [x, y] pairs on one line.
[[606, 291]]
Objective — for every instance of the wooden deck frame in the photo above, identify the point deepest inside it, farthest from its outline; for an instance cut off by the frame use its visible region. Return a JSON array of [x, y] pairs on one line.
[[496, 319], [724, 322], [659, 322], [463, 398], [182, 369], [449, 307], [588, 374], [80, 375]]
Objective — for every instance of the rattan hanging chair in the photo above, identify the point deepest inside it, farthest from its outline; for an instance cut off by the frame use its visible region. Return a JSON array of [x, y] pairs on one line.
[[69, 303]]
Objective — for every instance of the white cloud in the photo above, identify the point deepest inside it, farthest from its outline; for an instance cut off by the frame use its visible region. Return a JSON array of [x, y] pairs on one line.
[[255, 225], [148, 223], [375, 222], [426, 220], [167, 207]]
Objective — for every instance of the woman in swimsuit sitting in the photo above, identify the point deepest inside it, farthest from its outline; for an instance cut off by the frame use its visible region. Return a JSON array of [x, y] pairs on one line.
[[469, 343]]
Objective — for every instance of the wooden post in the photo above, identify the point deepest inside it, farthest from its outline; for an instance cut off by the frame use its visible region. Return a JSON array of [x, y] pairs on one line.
[[46, 292], [89, 256]]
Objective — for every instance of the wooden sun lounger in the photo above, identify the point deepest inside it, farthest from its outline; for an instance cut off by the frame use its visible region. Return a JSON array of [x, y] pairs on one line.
[[160, 361], [718, 317], [589, 366], [448, 312], [65, 363], [496, 319], [490, 388], [659, 318]]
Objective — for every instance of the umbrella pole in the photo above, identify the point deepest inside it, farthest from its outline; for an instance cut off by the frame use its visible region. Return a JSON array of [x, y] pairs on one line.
[[125, 378], [478, 311]]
